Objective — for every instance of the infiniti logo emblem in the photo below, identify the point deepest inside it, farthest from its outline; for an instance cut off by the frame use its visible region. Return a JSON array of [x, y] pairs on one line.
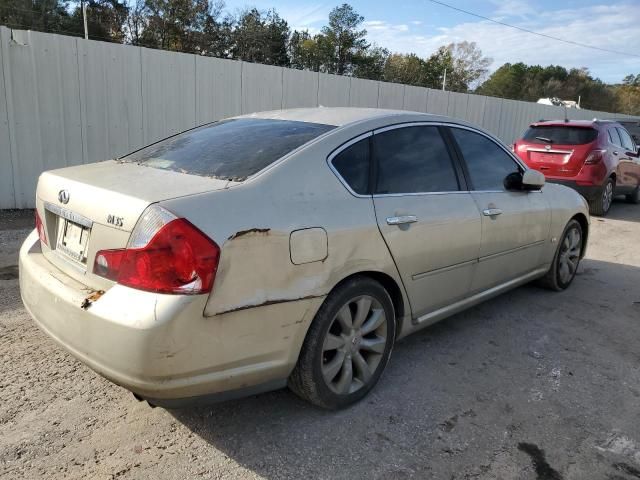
[[63, 196]]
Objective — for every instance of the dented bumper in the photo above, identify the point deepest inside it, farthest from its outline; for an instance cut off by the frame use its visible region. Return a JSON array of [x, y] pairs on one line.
[[162, 346]]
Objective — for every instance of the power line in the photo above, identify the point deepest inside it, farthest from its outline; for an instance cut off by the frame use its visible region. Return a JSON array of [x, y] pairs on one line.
[[551, 37]]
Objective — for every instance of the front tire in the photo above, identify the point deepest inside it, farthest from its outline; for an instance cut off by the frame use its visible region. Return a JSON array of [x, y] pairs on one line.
[[565, 263], [347, 346], [602, 203]]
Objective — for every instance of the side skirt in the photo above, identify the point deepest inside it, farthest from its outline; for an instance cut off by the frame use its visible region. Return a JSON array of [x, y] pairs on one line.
[[463, 304]]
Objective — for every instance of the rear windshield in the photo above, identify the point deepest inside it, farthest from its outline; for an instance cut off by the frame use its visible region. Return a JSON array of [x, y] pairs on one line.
[[560, 135], [230, 149]]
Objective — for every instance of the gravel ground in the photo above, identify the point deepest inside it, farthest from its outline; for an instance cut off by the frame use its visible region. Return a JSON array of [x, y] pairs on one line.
[[531, 385]]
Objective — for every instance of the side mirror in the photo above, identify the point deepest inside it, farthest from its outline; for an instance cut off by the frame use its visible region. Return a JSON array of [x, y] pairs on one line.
[[532, 180], [529, 180]]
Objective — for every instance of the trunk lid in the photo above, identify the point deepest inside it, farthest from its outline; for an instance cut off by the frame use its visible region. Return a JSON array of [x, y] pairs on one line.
[[95, 207], [557, 160]]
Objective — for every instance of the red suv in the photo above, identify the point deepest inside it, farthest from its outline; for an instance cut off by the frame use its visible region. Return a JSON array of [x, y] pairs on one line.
[[597, 158]]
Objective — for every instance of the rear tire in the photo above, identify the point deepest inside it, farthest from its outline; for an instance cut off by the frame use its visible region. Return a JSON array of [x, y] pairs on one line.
[[634, 197], [347, 346], [566, 260], [602, 203]]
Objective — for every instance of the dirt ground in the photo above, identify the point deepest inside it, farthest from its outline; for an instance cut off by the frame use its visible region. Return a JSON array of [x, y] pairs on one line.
[[531, 385]]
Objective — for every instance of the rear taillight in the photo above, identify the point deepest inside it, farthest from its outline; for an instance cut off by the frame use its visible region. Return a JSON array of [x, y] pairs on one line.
[[165, 254], [40, 227], [595, 156]]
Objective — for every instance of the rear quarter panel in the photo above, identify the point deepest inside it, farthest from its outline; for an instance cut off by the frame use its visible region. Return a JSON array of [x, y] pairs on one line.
[[253, 222]]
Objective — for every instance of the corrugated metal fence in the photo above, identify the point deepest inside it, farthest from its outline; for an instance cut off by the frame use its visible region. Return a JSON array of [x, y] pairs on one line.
[[66, 101]]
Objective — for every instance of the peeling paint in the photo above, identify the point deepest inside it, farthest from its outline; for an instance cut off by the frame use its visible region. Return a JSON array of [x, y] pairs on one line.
[[242, 233], [268, 302]]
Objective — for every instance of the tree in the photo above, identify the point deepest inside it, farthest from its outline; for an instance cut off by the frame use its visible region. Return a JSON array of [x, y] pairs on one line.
[[628, 95], [343, 39], [370, 63], [42, 15], [261, 37], [524, 82], [408, 69]]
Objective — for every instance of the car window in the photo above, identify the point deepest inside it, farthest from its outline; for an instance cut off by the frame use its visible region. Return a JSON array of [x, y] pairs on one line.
[[487, 162], [413, 160], [548, 134], [230, 149], [614, 137], [627, 143], [352, 164]]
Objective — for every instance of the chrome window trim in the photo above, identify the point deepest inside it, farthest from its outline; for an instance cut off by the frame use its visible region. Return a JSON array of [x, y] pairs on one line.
[[347, 144], [339, 150]]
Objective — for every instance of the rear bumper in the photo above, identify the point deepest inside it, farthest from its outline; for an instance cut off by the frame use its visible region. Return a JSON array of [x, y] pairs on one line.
[[161, 347], [589, 192]]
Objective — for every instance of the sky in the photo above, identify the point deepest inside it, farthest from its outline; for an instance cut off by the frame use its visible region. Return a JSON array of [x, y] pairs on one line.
[[420, 26]]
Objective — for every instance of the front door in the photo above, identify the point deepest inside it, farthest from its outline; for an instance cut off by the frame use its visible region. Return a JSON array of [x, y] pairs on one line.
[[430, 224], [515, 225]]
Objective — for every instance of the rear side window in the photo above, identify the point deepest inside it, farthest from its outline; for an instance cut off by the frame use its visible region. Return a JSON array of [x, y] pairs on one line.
[[626, 139], [230, 149], [614, 137], [560, 135], [413, 160], [352, 164], [487, 162]]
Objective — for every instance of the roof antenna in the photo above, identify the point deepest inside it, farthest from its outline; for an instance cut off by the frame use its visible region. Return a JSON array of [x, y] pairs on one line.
[[566, 117]]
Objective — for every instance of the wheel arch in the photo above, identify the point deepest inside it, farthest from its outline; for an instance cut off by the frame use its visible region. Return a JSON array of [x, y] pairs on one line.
[[584, 224], [390, 285]]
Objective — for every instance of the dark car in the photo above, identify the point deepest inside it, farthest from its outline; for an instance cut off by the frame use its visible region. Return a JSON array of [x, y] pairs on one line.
[[597, 158], [633, 127]]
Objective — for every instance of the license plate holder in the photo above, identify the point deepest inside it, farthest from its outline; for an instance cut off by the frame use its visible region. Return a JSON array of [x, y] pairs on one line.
[[72, 240]]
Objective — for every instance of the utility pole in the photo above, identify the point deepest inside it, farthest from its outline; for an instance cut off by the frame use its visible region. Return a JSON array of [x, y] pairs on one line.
[[444, 79], [84, 20]]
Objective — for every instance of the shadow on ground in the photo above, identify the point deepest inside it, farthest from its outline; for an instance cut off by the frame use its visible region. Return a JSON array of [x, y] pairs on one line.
[[532, 384]]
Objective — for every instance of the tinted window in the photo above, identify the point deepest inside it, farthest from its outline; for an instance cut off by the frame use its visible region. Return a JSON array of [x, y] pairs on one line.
[[353, 165], [230, 149], [626, 139], [614, 137], [413, 160], [487, 162], [560, 135]]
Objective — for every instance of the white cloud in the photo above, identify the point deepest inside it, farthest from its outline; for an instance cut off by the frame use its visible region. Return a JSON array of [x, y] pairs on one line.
[[613, 27]]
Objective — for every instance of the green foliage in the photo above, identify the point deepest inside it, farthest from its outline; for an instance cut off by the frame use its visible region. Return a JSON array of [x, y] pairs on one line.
[[531, 82]]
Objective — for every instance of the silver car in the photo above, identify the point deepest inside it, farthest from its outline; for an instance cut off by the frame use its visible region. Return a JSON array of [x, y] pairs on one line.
[[286, 248]]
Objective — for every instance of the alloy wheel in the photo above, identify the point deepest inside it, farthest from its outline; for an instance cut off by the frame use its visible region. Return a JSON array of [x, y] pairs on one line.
[[354, 345], [607, 196], [569, 255]]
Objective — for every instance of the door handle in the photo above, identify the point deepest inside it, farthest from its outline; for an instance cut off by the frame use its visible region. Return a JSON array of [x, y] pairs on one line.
[[491, 212], [401, 220], [615, 153]]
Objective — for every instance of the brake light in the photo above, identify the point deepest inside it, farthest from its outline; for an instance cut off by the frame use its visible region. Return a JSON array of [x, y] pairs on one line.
[[165, 254], [595, 156], [40, 227]]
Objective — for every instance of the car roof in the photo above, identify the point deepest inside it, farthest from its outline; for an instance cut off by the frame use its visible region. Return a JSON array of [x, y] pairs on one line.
[[572, 123], [340, 116]]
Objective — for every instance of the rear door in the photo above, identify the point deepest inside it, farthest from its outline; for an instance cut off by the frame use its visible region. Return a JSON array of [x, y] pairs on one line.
[[515, 225], [427, 218], [629, 167]]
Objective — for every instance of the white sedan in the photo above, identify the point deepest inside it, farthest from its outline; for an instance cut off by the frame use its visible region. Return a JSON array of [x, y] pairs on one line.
[[286, 248]]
